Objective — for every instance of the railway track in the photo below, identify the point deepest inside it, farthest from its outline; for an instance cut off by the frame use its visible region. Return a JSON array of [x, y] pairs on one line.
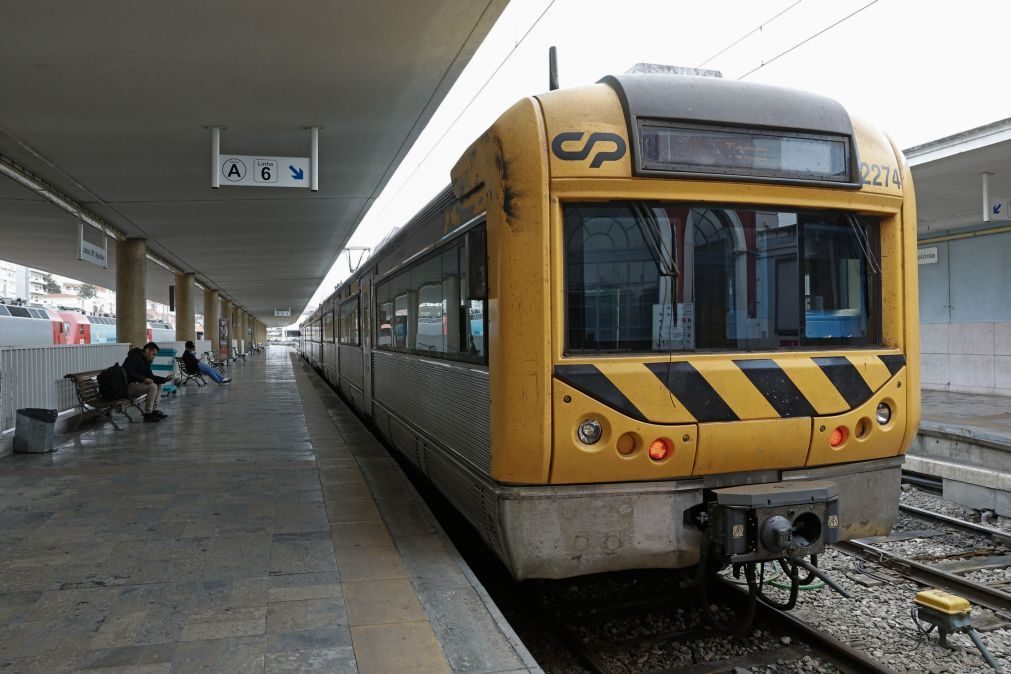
[[926, 574], [996, 535], [804, 639]]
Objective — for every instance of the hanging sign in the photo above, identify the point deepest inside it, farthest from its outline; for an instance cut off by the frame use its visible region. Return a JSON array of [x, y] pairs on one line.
[[252, 171], [90, 252], [259, 171]]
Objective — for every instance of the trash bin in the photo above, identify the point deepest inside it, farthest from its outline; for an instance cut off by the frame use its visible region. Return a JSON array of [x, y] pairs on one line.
[[33, 430]]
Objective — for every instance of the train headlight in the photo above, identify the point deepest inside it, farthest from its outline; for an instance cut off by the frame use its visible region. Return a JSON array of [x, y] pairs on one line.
[[589, 431], [884, 414]]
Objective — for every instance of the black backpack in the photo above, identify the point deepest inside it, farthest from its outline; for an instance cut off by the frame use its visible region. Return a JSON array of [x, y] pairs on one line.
[[112, 382]]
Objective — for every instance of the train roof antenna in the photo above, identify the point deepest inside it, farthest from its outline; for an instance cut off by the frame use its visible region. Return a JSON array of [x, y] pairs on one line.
[[553, 68]]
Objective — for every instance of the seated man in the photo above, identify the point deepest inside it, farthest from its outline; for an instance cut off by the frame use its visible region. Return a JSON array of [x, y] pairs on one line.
[[141, 380], [194, 364]]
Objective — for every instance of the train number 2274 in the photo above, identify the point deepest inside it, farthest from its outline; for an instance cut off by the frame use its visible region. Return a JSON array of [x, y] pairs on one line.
[[882, 176]]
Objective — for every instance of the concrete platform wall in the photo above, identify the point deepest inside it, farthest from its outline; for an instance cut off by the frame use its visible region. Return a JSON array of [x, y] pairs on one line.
[[965, 314]]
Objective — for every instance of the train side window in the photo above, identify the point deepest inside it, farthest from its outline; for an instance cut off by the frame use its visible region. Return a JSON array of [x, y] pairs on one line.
[[3, 311], [471, 307], [19, 312], [328, 335], [384, 325], [451, 299], [355, 320], [428, 311], [350, 332], [477, 258], [400, 322], [384, 316], [436, 306]]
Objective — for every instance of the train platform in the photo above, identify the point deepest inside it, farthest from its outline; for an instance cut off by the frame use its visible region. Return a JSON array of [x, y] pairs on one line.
[[965, 440], [260, 528]]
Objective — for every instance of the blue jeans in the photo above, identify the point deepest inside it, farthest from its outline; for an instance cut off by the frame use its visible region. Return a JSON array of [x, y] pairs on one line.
[[210, 372]]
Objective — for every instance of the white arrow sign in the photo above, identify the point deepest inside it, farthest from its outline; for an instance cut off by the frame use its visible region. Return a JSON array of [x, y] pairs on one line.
[[252, 171]]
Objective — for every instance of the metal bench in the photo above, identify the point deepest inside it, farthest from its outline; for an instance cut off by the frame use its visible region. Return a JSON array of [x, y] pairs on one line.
[[217, 364], [90, 400], [186, 374]]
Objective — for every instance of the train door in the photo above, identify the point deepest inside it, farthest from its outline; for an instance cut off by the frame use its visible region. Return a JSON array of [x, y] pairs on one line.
[[366, 337], [60, 331]]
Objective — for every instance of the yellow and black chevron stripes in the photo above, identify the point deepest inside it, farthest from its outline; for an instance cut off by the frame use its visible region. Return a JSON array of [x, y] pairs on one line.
[[720, 390], [591, 381]]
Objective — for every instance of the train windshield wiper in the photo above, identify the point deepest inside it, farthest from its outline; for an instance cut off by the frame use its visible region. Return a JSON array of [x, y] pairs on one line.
[[651, 234], [865, 247]]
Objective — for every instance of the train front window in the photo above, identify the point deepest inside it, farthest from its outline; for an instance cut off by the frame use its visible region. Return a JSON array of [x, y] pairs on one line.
[[654, 277]]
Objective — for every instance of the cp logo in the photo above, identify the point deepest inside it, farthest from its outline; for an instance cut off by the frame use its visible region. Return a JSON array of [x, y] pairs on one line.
[[578, 155]]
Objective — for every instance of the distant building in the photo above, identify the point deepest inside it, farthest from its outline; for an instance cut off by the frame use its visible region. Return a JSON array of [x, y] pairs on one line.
[[8, 281]]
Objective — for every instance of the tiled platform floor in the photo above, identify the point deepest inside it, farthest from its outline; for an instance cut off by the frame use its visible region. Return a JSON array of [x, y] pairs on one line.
[[260, 528]]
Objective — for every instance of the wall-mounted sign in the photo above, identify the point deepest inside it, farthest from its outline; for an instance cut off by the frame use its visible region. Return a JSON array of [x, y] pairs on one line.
[[926, 255]]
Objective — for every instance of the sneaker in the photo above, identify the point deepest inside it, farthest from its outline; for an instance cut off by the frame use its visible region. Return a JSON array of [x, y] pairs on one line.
[[160, 414], [226, 381], [151, 418]]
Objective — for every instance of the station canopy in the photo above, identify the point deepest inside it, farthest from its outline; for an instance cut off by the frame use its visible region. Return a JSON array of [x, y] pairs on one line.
[[111, 103], [948, 176]]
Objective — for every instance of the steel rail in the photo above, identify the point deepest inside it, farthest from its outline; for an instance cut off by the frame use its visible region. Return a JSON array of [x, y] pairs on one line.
[[996, 534], [843, 655], [927, 575], [925, 482]]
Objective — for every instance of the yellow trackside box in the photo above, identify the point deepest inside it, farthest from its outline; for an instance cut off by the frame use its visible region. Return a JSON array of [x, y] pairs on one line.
[[942, 601]]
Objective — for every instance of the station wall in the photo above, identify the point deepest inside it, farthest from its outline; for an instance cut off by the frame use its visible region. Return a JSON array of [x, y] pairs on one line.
[[965, 315]]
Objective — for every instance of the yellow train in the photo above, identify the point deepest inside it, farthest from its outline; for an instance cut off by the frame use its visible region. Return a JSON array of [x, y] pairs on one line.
[[652, 320]]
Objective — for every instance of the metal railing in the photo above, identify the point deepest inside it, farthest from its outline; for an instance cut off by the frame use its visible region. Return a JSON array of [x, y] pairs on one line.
[[32, 376]]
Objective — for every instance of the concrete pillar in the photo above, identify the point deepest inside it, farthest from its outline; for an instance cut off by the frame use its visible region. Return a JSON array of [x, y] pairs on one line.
[[211, 302], [236, 329], [131, 303], [244, 321], [226, 314], [186, 324]]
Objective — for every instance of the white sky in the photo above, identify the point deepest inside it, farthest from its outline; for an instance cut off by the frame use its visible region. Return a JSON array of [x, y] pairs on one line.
[[918, 70]]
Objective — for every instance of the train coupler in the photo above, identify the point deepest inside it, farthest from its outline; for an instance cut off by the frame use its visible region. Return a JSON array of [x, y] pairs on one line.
[[771, 521]]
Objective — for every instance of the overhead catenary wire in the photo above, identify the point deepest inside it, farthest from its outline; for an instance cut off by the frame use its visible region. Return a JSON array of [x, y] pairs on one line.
[[751, 32], [807, 39], [466, 107]]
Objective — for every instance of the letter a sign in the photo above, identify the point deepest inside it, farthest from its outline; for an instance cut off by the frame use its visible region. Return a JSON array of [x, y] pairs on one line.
[[234, 170]]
